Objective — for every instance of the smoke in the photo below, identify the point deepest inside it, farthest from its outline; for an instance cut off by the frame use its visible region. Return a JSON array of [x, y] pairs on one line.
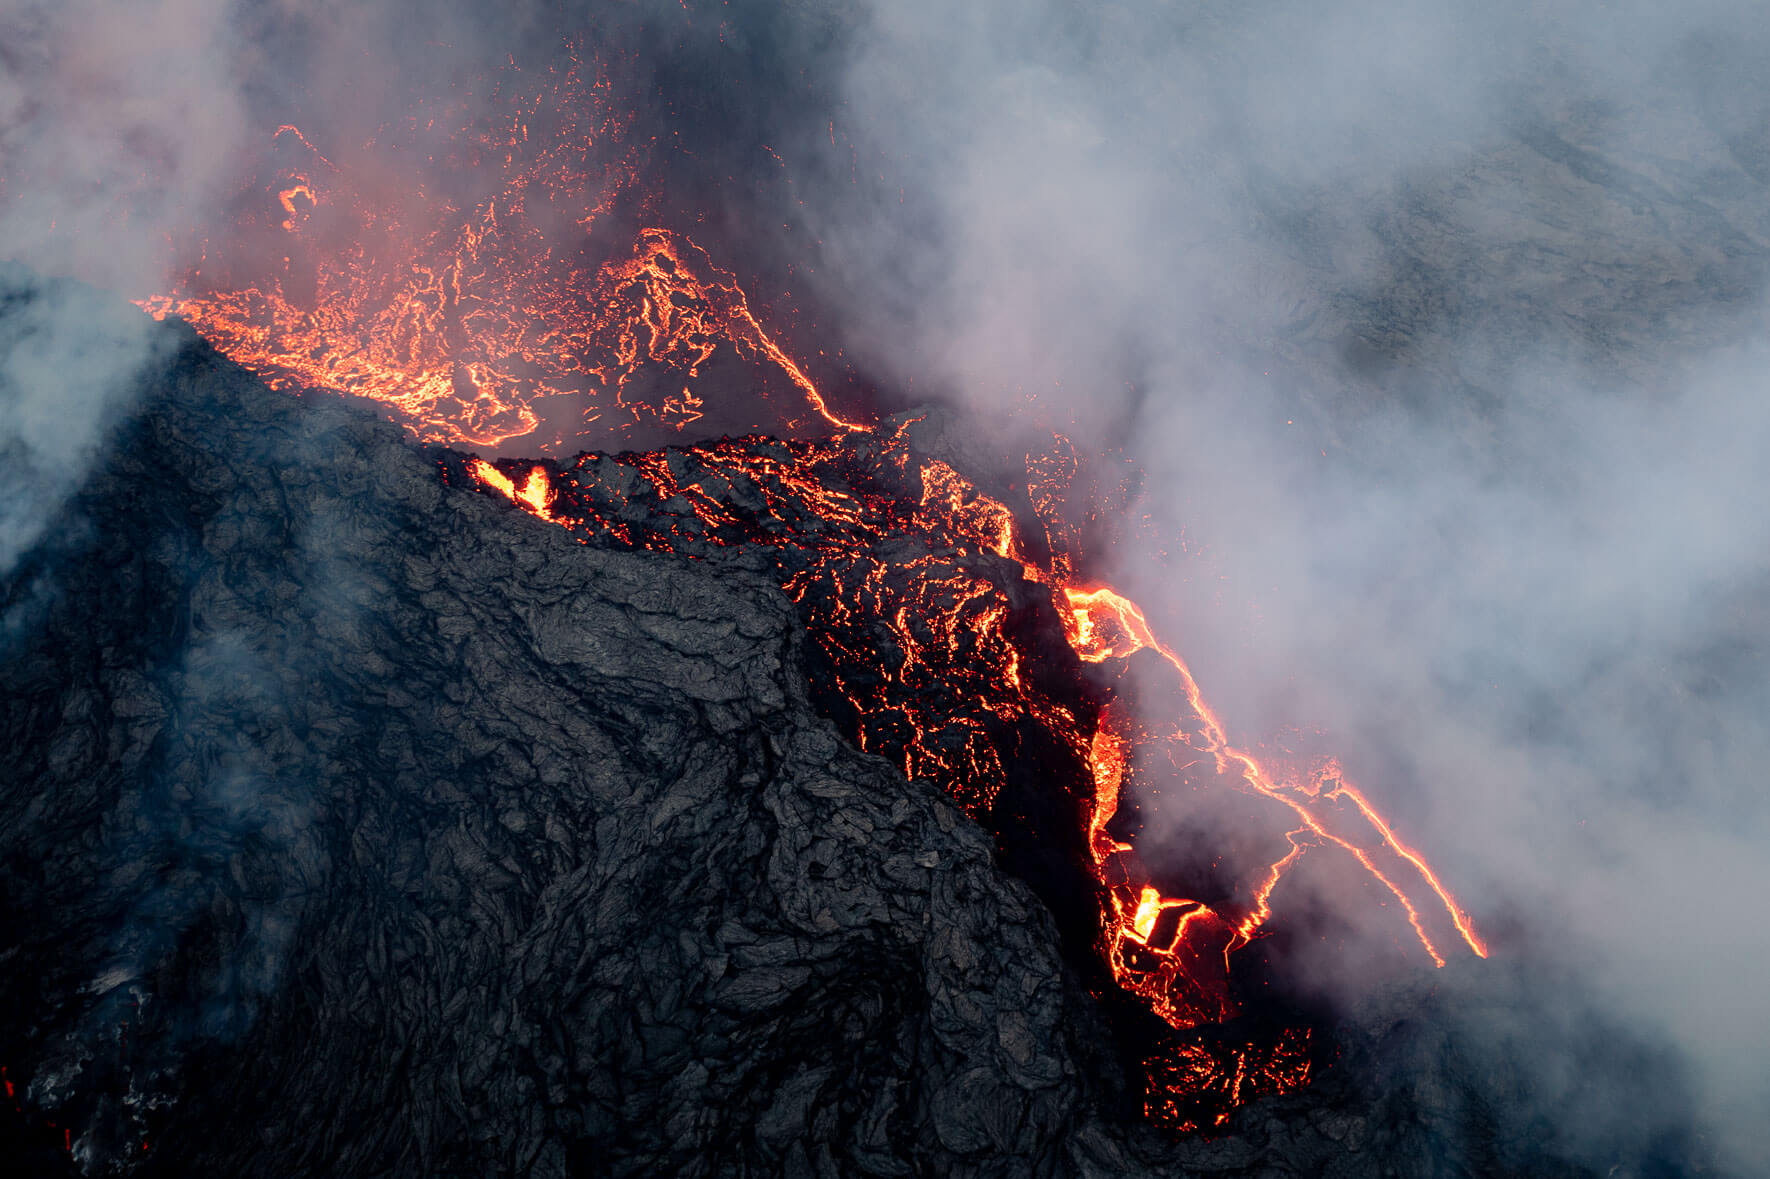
[[68, 361], [1438, 333], [1440, 336], [115, 122], [128, 132]]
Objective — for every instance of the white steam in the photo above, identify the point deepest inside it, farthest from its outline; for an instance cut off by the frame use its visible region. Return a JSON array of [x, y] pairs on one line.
[[1439, 331], [118, 124]]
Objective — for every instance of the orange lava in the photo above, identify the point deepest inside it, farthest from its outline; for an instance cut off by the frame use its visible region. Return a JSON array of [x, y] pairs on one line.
[[1106, 625], [475, 318], [535, 494]]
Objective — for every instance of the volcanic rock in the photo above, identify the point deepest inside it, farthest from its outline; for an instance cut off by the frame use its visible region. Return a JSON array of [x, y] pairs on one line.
[[355, 824]]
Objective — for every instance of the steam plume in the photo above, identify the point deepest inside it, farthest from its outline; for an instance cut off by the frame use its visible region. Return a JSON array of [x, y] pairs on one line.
[[1440, 336]]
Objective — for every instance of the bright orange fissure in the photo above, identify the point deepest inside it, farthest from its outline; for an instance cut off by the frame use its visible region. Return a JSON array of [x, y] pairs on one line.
[[1092, 609]]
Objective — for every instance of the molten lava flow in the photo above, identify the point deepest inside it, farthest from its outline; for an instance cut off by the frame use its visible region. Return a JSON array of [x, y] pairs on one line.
[[1106, 757], [1106, 625], [534, 494], [483, 312]]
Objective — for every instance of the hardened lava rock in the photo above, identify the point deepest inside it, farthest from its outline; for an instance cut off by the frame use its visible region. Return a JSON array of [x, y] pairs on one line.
[[352, 824], [356, 825]]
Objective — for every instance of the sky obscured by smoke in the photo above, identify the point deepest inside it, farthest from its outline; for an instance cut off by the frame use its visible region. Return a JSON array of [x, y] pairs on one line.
[[1440, 334], [117, 121]]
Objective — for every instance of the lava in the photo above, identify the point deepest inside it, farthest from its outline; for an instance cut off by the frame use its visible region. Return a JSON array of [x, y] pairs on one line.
[[1106, 625], [534, 494], [486, 313]]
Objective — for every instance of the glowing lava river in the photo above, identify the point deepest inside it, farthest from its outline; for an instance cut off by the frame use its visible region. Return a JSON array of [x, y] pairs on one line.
[[949, 631]]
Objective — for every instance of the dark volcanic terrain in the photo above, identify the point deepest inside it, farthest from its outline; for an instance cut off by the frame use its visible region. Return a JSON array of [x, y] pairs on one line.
[[354, 824]]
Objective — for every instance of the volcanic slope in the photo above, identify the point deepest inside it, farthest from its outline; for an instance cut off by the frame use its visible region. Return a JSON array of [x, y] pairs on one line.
[[352, 824]]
